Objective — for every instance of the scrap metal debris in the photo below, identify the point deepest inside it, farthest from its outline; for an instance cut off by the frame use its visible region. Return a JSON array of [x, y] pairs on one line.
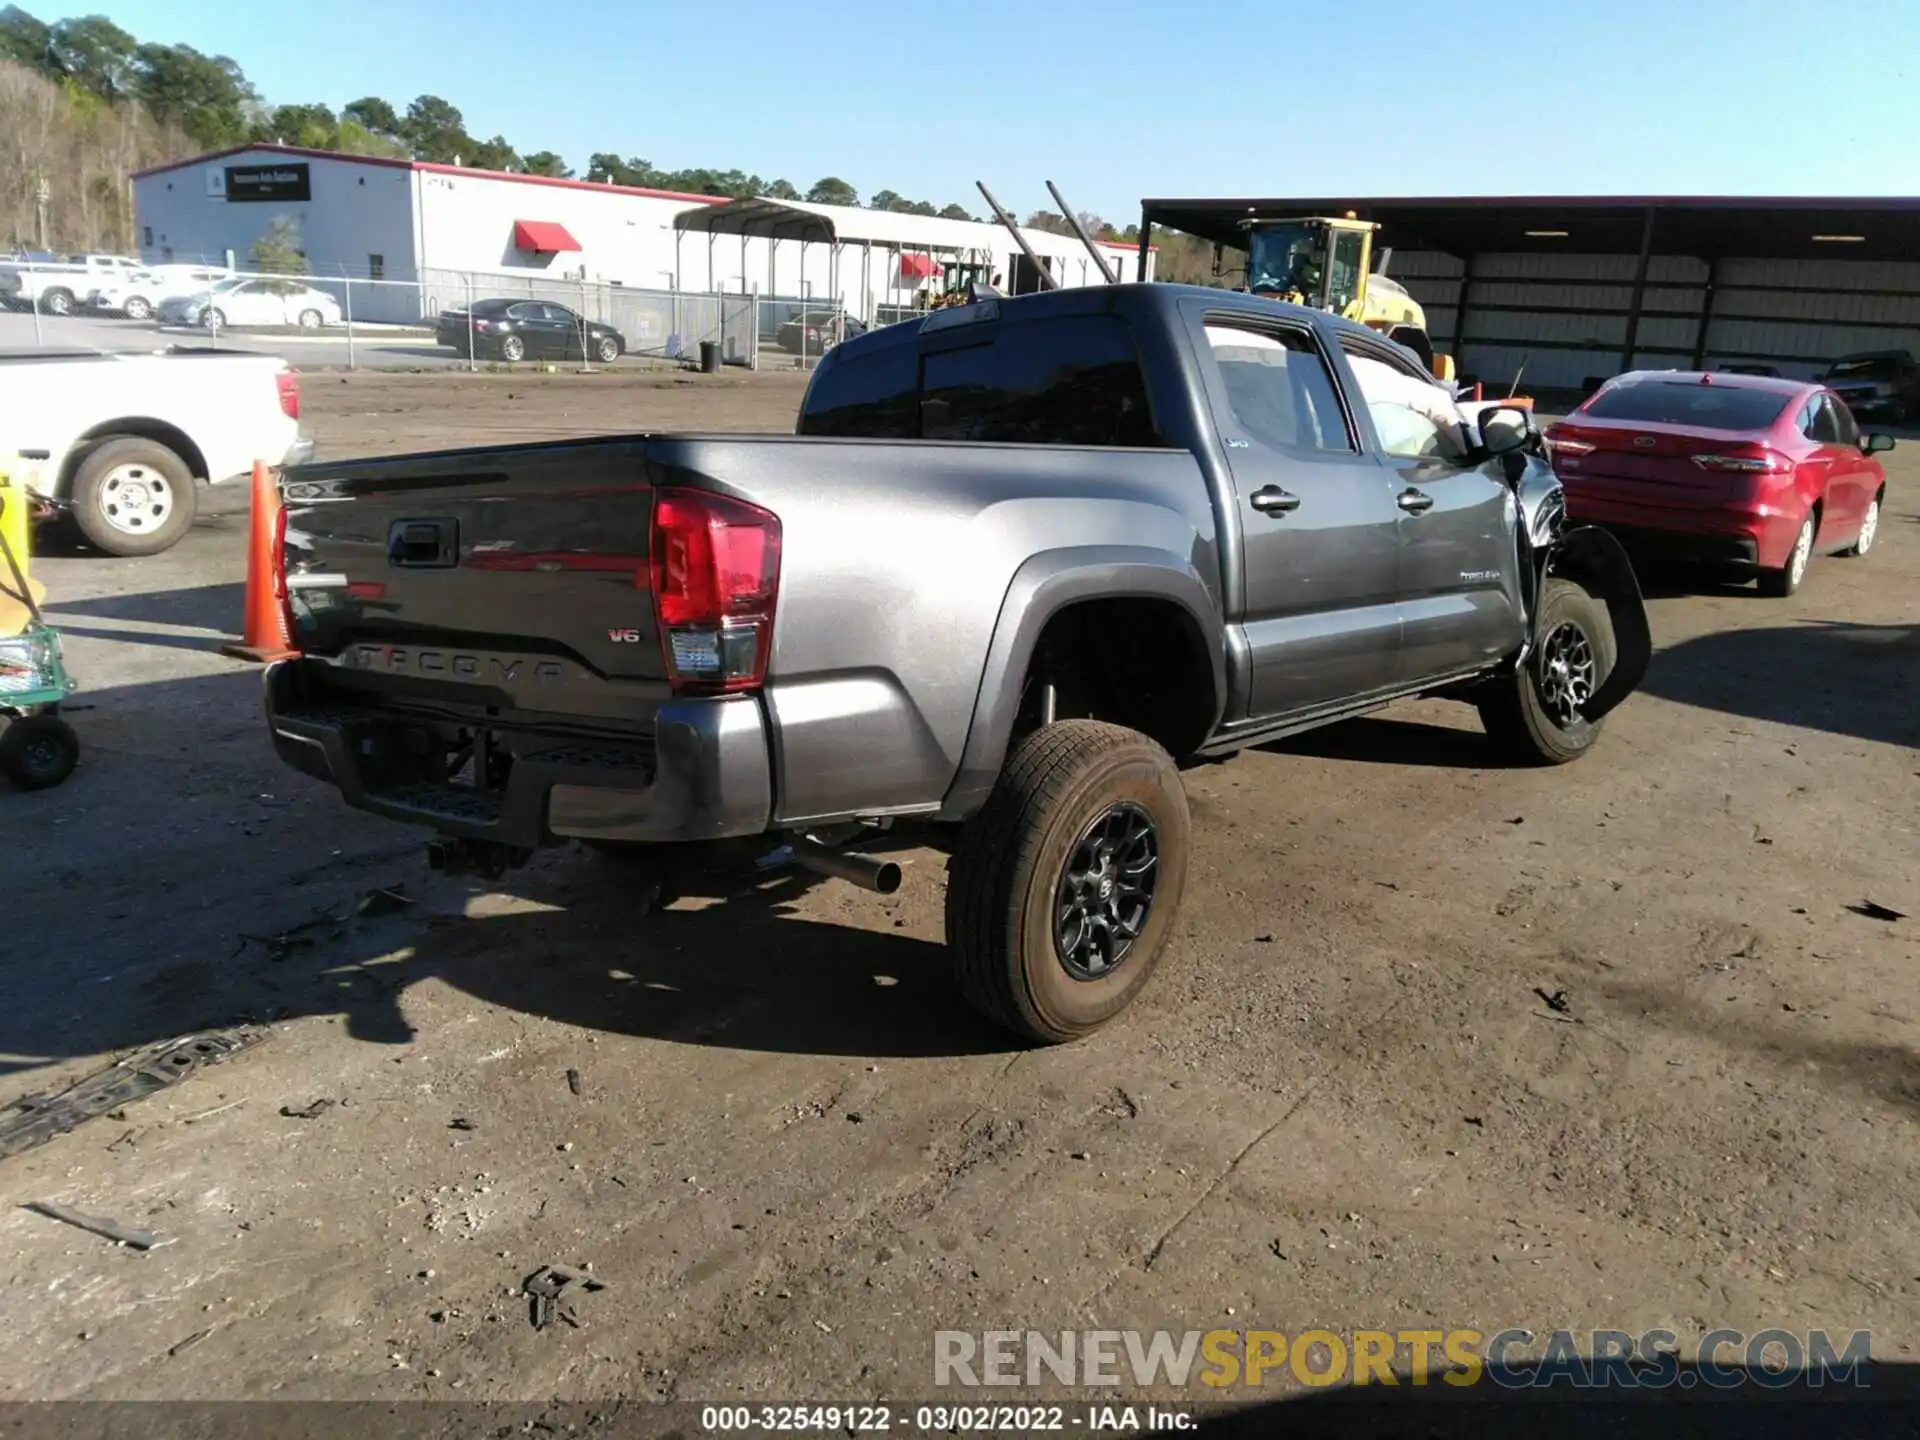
[[1556, 1002], [99, 1225], [573, 1081], [386, 900], [460, 1122], [556, 1291], [313, 1109], [1873, 910], [32, 1122], [293, 939], [188, 1343]]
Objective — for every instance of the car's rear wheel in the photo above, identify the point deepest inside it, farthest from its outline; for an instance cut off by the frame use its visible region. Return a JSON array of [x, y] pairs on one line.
[[214, 318], [512, 347], [608, 349], [1063, 890], [138, 309], [1869, 527], [1784, 581], [57, 301], [133, 497], [1533, 715]]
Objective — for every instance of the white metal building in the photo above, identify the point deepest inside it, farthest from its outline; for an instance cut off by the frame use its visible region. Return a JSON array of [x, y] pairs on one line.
[[1564, 291], [434, 232]]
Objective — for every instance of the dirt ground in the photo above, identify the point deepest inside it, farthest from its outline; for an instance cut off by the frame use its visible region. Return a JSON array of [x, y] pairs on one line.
[[794, 1154]]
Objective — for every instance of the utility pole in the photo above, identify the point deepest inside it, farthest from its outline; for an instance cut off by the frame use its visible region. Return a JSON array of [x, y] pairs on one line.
[[42, 193]]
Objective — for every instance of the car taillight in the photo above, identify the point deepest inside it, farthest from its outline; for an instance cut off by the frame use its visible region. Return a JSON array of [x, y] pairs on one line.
[[289, 386], [282, 592], [1767, 463], [716, 576], [1569, 447], [483, 324]]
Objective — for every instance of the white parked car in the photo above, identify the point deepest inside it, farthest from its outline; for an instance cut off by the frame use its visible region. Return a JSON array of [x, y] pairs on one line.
[[268, 302], [120, 441], [139, 296]]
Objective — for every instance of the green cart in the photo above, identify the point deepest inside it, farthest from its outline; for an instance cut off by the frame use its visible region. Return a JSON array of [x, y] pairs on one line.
[[38, 749]]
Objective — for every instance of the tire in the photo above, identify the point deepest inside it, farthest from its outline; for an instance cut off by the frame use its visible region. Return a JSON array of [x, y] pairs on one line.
[[1062, 786], [1783, 582], [138, 309], [38, 751], [1869, 528], [56, 301], [133, 497], [512, 347], [311, 319], [213, 319], [1527, 714], [608, 349]]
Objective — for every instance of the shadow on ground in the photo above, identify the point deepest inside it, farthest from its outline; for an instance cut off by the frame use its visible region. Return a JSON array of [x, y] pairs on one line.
[[1881, 1401], [1861, 681], [1378, 741]]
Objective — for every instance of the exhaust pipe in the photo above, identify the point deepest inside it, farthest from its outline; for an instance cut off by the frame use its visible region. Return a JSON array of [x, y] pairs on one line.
[[867, 871]]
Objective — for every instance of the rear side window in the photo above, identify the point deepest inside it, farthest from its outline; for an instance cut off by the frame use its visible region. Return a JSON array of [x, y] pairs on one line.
[[1688, 402], [1278, 387], [1846, 430], [1071, 381]]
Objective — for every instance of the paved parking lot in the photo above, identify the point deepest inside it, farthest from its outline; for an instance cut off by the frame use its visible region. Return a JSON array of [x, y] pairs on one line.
[[764, 1118]]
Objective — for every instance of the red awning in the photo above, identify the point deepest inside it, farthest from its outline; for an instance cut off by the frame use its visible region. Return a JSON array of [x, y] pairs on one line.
[[543, 237], [916, 267]]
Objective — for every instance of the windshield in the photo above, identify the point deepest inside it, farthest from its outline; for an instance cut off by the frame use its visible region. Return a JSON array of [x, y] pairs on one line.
[[1866, 367], [1689, 403], [1288, 259]]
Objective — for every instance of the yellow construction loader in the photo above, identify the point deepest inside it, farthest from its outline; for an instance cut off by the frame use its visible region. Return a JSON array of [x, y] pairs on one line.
[[1327, 263]]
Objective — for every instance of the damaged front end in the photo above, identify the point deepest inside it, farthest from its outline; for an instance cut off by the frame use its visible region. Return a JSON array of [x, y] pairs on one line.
[[1585, 554]]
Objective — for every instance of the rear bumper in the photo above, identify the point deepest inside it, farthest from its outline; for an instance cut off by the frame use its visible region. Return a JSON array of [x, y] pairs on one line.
[[704, 774], [1737, 538]]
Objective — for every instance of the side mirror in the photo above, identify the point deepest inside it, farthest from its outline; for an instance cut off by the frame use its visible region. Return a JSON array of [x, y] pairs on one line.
[[1875, 444], [1505, 429]]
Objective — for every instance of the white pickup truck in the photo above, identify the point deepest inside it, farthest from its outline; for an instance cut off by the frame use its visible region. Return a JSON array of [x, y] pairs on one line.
[[119, 441], [58, 287]]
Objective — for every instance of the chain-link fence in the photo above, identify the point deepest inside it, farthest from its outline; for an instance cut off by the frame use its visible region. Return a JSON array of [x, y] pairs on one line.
[[360, 319]]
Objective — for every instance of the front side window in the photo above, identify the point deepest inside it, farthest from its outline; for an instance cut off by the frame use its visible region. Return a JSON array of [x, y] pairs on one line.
[[1278, 387], [1414, 418]]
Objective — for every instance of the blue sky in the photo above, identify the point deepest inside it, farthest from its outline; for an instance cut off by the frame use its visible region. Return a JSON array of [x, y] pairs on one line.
[[1116, 99]]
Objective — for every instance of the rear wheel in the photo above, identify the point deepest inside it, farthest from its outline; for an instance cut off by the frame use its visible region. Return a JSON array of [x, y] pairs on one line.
[[512, 347], [1533, 714], [1064, 888], [57, 301], [1869, 528], [608, 349], [37, 752], [214, 319], [133, 497], [138, 308], [311, 320], [1784, 581]]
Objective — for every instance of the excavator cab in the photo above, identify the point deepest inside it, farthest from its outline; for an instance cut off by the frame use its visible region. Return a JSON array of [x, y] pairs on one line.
[[1326, 264]]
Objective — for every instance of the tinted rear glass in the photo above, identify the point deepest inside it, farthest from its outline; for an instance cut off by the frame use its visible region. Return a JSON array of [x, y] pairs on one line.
[[1868, 367], [1676, 402], [1071, 381]]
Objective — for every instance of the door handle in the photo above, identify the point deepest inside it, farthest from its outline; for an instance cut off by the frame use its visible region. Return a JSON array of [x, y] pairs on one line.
[[1414, 503], [1272, 500]]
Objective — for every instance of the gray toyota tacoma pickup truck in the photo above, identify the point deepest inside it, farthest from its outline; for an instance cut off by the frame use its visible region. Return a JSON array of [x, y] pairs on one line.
[[1022, 560]]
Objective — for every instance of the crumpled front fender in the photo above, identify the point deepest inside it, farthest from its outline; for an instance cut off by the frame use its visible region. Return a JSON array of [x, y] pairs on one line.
[[1598, 563]]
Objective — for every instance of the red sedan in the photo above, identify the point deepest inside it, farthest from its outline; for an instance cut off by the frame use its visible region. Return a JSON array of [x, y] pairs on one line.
[[1742, 472]]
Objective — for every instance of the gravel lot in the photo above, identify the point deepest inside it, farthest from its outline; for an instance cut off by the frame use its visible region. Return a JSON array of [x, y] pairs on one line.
[[793, 1154]]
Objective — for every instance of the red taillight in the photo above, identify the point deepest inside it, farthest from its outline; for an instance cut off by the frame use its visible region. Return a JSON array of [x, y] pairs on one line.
[[289, 387], [281, 591], [1766, 462], [1568, 446], [716, 576]]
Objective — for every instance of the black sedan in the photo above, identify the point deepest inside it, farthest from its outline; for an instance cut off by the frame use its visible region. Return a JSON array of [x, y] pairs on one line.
[[528, 330]]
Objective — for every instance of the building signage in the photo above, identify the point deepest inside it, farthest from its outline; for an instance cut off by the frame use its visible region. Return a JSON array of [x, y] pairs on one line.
[[269, 182]]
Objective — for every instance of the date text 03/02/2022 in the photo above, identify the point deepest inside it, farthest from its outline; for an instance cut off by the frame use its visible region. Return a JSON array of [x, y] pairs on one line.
[[942, 1419]]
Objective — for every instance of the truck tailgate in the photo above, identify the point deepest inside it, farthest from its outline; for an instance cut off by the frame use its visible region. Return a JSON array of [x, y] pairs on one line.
[[516, 577]]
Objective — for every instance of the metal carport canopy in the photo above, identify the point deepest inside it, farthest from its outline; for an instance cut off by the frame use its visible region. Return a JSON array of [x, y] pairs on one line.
[[1708, 227]]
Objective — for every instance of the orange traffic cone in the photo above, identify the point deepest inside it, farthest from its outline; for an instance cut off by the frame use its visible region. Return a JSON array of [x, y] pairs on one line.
[[265, 638]]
